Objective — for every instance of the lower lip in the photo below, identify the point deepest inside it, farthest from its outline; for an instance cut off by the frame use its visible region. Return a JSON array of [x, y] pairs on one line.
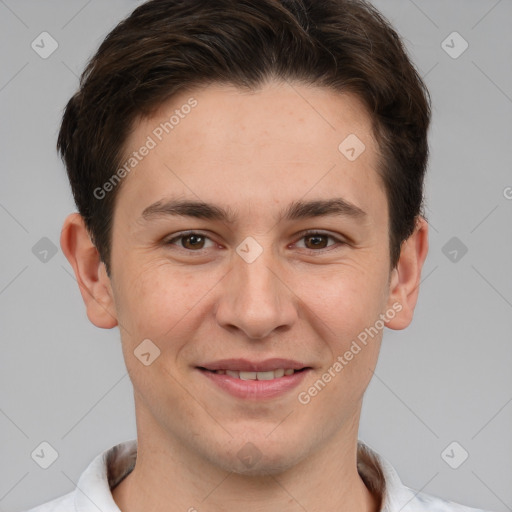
[[256, 389]]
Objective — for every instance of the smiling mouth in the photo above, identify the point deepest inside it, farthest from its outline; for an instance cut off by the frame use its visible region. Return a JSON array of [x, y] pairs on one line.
[[247, 375]]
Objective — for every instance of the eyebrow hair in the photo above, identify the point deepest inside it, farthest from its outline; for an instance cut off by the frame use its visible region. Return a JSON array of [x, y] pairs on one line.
[[295, 211]]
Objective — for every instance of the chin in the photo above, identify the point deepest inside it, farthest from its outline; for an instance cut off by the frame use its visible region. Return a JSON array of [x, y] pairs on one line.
[[262, 468], [257, 459]]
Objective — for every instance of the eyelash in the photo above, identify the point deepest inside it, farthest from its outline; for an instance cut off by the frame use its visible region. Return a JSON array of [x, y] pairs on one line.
[[303, 235]]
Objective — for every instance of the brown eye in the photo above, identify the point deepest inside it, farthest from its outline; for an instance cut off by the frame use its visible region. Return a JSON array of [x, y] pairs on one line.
[[190, 241], [316, 241]]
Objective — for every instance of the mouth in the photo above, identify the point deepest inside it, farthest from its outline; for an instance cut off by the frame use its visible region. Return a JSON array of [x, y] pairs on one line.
[[252, 380], [248, 375]]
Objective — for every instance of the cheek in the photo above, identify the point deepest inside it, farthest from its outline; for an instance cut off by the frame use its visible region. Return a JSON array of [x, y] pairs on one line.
[[156, 297], [348, 298], [348, 306]]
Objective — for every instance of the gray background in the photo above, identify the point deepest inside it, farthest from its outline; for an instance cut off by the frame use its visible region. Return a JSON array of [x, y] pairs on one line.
[[446, 378]]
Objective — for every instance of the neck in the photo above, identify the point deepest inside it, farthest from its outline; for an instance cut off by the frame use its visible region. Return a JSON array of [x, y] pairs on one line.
[[166, 479]]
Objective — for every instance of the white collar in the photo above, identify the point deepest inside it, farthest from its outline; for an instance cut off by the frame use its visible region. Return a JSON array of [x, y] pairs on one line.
[[93, 490]]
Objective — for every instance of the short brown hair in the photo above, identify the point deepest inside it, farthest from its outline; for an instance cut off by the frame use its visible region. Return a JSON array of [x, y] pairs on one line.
[[167, 46]]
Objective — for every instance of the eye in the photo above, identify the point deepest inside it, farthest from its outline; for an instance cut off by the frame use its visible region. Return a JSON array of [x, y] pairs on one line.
[[316, 240], [193, 241], [190, 241]]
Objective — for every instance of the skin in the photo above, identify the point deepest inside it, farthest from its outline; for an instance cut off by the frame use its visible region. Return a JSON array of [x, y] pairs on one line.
[[253, 153]]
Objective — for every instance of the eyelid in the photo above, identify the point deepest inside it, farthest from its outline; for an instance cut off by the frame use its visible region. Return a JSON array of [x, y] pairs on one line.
[[309, 232], [303, 234], [182, 234]]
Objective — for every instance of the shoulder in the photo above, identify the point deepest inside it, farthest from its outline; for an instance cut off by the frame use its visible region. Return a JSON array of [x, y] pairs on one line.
[[422, 502], [383, 480], [65, 503], [93, 490]]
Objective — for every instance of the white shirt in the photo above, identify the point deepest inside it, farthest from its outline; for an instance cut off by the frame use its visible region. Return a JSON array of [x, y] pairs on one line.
[[93, 491]]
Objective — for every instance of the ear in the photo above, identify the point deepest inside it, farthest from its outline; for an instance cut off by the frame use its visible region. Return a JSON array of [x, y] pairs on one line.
[[406, 276], [90, 272]]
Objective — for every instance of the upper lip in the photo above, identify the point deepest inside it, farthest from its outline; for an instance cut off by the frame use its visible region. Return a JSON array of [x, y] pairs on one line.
[[244, 365]]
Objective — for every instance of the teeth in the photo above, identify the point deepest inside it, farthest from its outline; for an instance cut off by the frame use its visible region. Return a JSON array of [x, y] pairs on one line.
[[272, 374], [263, 375], [248, 375]]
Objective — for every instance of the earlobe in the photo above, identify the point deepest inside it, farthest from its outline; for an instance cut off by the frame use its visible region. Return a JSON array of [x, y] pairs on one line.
[[406, 277], [90, 272]]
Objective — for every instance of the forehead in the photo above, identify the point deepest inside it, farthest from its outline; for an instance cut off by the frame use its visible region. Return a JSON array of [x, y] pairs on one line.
[[248, 148]]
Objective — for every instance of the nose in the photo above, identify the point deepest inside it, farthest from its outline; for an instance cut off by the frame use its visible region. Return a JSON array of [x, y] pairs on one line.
[[255, 299]]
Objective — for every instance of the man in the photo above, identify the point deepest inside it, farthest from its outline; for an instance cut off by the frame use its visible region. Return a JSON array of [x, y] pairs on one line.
[[249, 180]]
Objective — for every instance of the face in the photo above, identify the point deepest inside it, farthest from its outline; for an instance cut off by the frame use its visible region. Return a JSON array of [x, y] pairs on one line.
[[283, 266]]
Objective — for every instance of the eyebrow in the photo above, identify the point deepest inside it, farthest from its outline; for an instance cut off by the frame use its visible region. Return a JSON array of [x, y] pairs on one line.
[[296, 210]]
